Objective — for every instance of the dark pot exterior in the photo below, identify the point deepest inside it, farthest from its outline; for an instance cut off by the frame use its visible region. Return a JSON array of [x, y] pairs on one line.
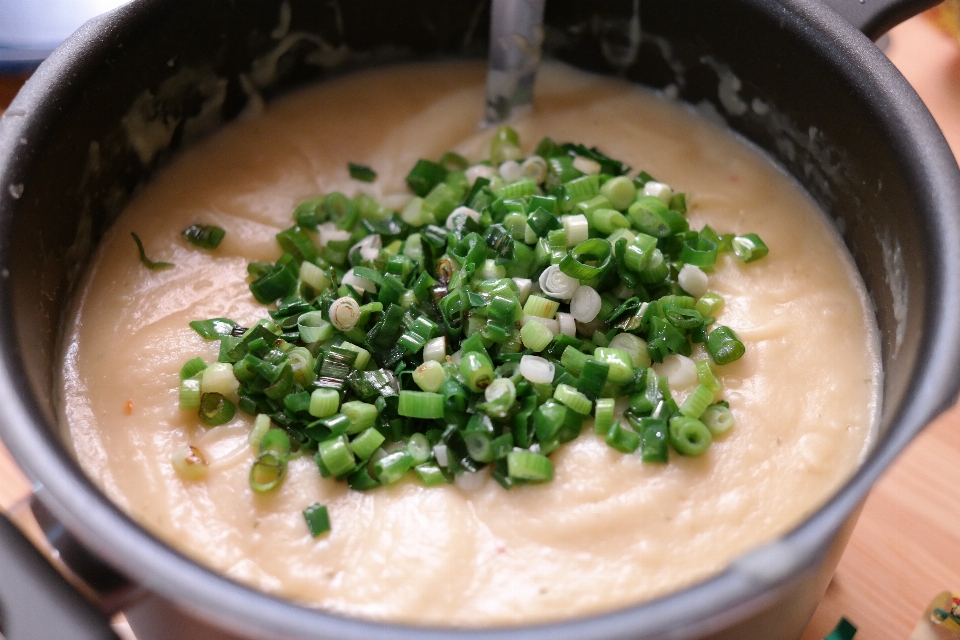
[[790, 76]]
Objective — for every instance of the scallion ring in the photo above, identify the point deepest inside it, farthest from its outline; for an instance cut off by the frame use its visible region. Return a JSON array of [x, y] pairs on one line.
[[344, 313], [588, 260], [557, 284]]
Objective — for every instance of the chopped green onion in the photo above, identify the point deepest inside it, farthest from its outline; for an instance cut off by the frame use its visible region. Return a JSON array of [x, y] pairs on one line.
[[476, 370], [270, 467], [688, 436], [540, 307], [361, 415], [261, 424], [654, 437], [420, 404], [189, 394], [318, 520], [623, 440], [324, 403], [633, 345], [709, 305], [219, 378], [529, 466], [749, 247], [192, 367], [147, 262], [215, 409], [535, 336], [337, 456], [695, 403], [620, 191], [724, 346], [371, 317], [391, 468], [430, 474], [718, 419], [214, 328], [707, 377], [573, 399], [204, 236], [619, 361], [429, 376], [603, 415], [361, 172], [588, 260], [189, 463], [366, 443], [313, 328]]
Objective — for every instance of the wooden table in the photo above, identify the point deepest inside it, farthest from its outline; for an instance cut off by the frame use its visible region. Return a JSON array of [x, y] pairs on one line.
[[906, 546]]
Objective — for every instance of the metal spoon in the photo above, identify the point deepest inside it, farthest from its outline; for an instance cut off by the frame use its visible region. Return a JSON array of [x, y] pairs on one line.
[[516, 36]]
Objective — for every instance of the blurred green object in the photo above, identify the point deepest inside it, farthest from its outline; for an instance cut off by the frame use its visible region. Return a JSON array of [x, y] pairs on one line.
[[844, 631]]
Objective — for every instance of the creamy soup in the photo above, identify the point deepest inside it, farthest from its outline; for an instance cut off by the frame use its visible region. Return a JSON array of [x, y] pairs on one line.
[[609, 531]]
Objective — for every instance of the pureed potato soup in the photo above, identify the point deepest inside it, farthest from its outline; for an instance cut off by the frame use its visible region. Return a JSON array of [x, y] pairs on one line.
[[609, 529]]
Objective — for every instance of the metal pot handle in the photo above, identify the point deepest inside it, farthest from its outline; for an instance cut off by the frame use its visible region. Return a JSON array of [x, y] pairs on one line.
[[36, 603], [875, 17]]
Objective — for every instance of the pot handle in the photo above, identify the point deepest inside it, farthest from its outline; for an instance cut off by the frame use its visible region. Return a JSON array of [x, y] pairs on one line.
[[875, 17], [36, 603]]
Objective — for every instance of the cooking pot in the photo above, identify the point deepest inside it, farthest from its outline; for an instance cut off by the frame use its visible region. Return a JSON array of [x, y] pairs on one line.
[[793, 77]]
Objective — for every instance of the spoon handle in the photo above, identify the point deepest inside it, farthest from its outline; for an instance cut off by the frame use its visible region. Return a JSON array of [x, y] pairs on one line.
[[516, 35]]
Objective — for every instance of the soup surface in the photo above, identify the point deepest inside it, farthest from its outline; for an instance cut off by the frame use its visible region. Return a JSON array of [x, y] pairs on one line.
[[609, 530]]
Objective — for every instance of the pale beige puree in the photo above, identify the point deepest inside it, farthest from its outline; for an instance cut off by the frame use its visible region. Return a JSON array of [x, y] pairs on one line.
[[609, 530]]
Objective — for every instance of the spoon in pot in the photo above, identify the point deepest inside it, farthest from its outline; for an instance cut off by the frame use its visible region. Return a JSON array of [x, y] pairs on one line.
[[516, 36]]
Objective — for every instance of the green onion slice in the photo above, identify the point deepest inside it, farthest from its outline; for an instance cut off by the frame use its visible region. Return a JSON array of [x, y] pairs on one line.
[[147, 262], [204, 236], [361, 172], [588, 260]]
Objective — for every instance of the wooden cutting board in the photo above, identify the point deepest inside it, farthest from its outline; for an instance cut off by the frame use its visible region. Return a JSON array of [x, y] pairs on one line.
[[906, 546]]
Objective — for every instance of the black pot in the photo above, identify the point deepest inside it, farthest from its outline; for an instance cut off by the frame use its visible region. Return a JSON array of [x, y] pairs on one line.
[[791, 76]]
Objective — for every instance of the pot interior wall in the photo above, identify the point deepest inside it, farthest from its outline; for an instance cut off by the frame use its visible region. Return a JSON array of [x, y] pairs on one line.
[[181, 69]]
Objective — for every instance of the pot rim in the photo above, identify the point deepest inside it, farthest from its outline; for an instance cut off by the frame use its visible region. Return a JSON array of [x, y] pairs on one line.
[[740, 589]]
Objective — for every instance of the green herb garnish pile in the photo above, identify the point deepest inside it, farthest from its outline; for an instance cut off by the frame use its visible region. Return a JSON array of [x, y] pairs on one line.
[[478, 327]]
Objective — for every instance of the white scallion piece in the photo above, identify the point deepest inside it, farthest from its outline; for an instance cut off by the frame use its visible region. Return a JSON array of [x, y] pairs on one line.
[[549, 323], [261, 424], [470, 481], [479, 171], [219, 378], [635, 346], [330, 233], [557, 284], [459, 213], [510, 170], [358, 282], [693, 280], [529, 235], [586, 165], [435, 350], [499, 387], [369, 247], [680, 371], [314, 276], [585, 305], [535, 168], [525, 285], [344, 313], [440, 453], [577, 229], [658, 190], [622, 291], [537, 370], [568, 325], [190, 463], [455, 358]]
